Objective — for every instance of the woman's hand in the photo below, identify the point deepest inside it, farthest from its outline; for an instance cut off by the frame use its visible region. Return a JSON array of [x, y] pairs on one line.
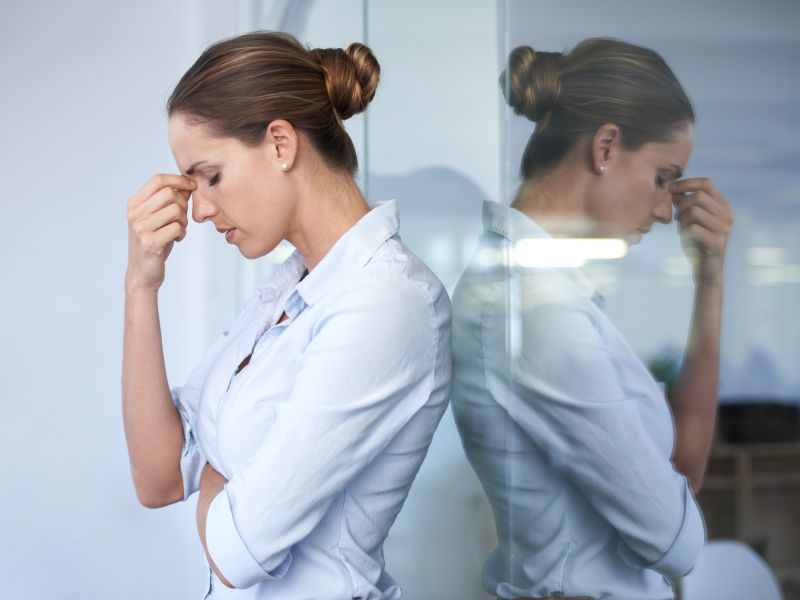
[[211, 484], [157, 217], [704, 221]]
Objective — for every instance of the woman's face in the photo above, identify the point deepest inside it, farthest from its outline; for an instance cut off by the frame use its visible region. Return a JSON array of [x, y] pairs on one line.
[[632, 193], [241, 189]]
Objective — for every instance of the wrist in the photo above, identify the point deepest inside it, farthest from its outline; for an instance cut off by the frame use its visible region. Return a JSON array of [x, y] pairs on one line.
[[707, 283], [133, 287]]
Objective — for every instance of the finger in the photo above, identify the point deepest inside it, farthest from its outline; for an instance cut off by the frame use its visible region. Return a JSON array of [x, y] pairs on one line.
[[683, 200], [699, 215], [706, 241], [158, 181], [718, 207], [694, 184], [157, 241], [171, 213], [184, 194], [168, 196], [163, 197]]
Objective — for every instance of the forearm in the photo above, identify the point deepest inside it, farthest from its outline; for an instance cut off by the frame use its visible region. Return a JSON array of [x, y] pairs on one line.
[[153, 428], [694, 396]]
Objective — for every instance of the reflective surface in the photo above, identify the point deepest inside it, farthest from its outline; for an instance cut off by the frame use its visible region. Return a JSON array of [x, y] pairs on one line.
[[440, 138]]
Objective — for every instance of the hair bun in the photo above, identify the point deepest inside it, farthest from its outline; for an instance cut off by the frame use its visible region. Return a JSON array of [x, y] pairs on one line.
[[532, 81], [351, 77]]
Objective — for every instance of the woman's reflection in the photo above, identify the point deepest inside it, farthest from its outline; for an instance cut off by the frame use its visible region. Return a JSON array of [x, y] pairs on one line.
[[589, 470]]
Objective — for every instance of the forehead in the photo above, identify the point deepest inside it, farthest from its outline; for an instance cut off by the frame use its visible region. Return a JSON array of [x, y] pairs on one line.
[[675, 150], [191, 142]]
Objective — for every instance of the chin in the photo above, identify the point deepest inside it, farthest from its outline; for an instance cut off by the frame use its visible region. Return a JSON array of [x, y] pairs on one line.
[[250, 254], [256, 253], [632, 238]]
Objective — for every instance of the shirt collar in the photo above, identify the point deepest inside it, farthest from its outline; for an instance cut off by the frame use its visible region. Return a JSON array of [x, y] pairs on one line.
[[351, 251], [510, 223], [514, 225], [286, 275]]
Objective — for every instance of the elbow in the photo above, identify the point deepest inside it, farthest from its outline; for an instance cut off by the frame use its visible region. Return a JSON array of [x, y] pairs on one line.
[[152, 501], [695, 478], [151, 497], [693, 471]]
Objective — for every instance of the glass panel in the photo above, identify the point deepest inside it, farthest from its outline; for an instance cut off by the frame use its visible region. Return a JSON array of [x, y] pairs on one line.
[[441, 140], [740, 80], [434, 146]]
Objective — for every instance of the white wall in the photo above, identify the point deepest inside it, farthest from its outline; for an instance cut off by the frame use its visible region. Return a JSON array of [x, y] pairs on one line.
[[83, 126]]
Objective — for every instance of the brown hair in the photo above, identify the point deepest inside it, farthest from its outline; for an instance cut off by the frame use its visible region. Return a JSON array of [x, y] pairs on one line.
[[600, 81], [240, 85]]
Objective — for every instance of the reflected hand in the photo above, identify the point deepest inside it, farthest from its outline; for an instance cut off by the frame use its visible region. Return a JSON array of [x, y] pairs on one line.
[[704, 222]]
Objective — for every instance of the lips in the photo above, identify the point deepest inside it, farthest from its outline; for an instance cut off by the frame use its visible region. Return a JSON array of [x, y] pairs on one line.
[[228, 232]]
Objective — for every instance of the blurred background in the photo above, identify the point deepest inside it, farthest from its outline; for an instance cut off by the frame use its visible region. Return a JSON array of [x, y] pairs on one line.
[[84, 85]]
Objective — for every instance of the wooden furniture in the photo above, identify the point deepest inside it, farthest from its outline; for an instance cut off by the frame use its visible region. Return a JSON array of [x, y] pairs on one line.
[[751, 493]]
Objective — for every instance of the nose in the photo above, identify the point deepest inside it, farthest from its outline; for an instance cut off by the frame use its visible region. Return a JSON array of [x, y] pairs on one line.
[[202, 208], [662, 212]]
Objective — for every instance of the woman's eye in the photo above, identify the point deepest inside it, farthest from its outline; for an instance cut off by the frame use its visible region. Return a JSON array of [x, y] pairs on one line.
[[214, 180], [661, 182]]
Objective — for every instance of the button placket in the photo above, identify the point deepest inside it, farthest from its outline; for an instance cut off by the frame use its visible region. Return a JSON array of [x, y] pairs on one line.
[[247, 344]]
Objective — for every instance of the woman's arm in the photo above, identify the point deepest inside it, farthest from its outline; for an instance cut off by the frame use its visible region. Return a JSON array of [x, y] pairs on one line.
[[705, 219], [153, 430], [693, 398]]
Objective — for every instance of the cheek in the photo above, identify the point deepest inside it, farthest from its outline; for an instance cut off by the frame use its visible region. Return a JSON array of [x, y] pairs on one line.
[[641, 195]]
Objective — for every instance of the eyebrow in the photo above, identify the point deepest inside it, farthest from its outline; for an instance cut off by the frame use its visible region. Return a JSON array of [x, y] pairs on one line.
[[190, 170], [678, 171]]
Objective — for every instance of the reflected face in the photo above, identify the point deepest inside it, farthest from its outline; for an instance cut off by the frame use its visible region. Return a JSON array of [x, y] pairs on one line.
[[238, 188], [633, 192]]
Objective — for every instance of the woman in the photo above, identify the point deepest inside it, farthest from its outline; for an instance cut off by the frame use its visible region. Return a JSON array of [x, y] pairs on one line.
[[590, 483], [304, 425]]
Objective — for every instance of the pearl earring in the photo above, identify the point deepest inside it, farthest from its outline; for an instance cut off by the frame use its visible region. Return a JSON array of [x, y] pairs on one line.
[[603, 168], [284, 166]]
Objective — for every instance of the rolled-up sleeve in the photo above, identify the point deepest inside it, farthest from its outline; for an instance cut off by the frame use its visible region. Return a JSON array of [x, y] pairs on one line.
[[192, 458], [186, 399], [568, 397], [367, 370]]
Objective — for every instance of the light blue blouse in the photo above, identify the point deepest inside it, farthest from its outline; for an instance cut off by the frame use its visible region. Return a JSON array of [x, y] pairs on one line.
[[322, 434], [568, 432]]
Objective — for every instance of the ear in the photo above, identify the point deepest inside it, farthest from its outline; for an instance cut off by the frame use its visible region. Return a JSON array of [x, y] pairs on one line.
[[606, 142], [280, 141]]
